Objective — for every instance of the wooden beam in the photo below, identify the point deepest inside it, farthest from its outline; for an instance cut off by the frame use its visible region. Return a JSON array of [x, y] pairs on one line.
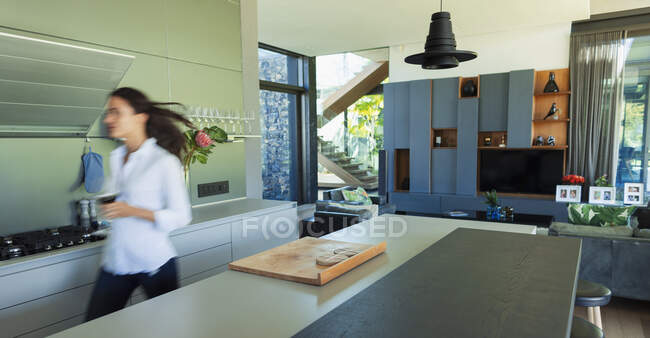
[[360, 85]]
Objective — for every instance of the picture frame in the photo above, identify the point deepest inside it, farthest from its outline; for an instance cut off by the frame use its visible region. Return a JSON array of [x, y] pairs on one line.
[[633, 194], [602, 195], [568, 193]]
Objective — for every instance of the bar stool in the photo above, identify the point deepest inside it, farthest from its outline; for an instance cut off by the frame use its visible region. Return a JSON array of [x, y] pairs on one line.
[[584, 329], [593, 296]]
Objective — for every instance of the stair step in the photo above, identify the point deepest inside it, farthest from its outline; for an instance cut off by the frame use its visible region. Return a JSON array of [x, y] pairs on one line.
[[359, 172], [343, 160], [350, 166], [367, 178]]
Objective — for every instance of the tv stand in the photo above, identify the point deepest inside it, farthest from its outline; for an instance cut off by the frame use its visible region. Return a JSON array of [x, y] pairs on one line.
[[540, 221]]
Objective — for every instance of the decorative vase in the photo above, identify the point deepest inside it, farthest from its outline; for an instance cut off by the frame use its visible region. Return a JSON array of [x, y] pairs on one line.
[[186, 176], [468, 89], [493, 212], [554, 111], [551, 140], [539, 141], [551, 86]]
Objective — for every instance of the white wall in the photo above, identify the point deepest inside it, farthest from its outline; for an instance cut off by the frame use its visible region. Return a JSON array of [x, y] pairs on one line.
[[543, 47], [251, 95], [606, 6]]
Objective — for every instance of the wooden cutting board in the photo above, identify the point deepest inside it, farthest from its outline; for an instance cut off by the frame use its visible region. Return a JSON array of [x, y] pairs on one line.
[[296, 261]]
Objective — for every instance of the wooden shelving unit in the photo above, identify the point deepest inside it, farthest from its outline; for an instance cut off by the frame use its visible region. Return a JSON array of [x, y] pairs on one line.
[[542, 103], [463, 80], [449, 138], [495, 136], [402, 170]]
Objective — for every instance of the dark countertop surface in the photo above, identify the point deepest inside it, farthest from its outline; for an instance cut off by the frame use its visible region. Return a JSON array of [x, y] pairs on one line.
[[471, 283]]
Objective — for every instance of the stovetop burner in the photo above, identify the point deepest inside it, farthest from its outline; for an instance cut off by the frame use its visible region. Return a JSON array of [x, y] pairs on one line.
[[32, 242]]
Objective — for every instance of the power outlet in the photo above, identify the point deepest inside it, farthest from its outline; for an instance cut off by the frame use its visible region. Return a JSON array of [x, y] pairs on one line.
[[214, 188]]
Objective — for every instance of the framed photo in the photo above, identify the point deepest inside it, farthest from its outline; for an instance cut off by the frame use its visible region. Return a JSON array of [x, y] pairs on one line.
[[633, 193], [602, 195], [568, 193]]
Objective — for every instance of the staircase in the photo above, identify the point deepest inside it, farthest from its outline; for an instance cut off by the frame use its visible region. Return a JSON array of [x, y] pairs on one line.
[[343, 166]]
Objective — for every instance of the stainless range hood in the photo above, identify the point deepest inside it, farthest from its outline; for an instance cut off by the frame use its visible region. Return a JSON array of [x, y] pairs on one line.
[[54, 89]]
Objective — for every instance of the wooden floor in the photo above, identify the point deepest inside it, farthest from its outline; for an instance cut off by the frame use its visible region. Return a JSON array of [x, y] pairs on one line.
[[623, 318]]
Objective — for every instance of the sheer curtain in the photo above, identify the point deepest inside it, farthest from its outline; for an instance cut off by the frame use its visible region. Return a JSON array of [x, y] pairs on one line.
[[596, 63]]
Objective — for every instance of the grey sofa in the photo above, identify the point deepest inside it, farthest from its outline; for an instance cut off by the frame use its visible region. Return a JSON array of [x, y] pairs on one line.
[[617, 257]]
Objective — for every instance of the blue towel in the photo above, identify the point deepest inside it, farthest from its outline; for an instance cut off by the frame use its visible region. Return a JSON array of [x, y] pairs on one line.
[[93, 171]]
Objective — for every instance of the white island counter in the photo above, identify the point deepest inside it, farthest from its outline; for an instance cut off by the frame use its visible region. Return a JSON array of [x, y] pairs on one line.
[[237, 304]]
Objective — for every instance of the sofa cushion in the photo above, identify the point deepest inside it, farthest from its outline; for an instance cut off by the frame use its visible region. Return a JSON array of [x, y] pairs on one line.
[[373, 208], [599, 215], [591, 231]]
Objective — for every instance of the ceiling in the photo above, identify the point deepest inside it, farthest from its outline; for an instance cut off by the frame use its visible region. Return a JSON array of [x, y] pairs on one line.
[[313, 27]]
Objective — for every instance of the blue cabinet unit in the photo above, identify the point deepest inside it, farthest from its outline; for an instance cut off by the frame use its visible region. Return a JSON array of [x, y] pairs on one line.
[[520, 115], [443, 166], [401, 111], [493, 103], [419, 131], [445, 100], [466, 158], [389, 133]]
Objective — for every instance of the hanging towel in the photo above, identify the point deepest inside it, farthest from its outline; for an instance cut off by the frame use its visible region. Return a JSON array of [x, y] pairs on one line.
[[93, 171]]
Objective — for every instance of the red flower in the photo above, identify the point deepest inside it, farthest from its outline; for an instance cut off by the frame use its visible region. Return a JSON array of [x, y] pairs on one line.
[[202, 139], [573, 179]]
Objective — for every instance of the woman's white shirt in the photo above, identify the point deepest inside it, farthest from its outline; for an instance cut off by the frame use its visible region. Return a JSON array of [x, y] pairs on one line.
[[152, 179]]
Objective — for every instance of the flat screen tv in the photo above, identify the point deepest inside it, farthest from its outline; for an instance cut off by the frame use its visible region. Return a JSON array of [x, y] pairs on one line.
[[521, 171]]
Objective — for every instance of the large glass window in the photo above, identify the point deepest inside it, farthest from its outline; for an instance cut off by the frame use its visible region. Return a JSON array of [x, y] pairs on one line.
[[350, 122], [279, 167], [634, 160], [282, 96]]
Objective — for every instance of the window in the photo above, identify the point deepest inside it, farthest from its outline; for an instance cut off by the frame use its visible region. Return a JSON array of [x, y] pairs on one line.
[[634, 160], [284, 106]]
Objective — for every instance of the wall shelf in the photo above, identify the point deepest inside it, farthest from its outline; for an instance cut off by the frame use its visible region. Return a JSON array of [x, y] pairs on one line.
[[560, 93], [495, 136], [402, 170], [448, 138], [551, 120], [550, 147], [463, 80]]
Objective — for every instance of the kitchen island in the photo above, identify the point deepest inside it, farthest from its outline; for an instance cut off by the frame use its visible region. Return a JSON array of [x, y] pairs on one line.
[[236, 304], [48, 292]]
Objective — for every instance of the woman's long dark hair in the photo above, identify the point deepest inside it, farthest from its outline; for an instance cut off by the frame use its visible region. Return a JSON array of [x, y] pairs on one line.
[[160, 123]]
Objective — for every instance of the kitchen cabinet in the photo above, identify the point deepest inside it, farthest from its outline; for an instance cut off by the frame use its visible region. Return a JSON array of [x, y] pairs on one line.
[[493, 103], [466, 159], [445, 100], [443, 168], [51, 293], [520, 96], [419, 121]]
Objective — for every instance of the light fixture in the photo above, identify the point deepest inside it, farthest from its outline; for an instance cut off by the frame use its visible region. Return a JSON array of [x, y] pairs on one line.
[[440, 49]]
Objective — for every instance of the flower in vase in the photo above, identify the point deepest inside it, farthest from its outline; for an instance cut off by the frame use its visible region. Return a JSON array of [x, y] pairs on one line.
[[202, 139]]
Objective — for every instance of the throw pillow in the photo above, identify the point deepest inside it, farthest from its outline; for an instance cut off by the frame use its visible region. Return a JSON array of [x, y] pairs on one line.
[[599, 215], [358, 195]]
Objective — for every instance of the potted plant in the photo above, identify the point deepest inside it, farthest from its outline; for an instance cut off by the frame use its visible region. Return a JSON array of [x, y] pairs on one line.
[[493, 208]]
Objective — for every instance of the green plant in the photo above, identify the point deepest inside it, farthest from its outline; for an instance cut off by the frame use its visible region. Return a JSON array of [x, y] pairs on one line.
[[200, 144], [491, 198], [602, 181], [370, 121]]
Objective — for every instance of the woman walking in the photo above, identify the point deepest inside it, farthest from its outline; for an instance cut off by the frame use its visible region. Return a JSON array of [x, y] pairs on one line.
[[152, 201]]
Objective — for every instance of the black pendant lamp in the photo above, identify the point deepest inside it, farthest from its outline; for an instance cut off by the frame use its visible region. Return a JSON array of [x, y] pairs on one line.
[[440, 49]]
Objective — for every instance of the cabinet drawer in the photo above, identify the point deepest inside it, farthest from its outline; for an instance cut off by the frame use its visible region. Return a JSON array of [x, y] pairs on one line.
[[195, 241], [202, 261], [259, 233], [55, 328], [47, 280], [37, 314]]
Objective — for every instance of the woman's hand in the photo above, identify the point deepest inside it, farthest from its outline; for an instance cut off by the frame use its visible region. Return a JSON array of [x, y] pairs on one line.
[[121, 209]]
